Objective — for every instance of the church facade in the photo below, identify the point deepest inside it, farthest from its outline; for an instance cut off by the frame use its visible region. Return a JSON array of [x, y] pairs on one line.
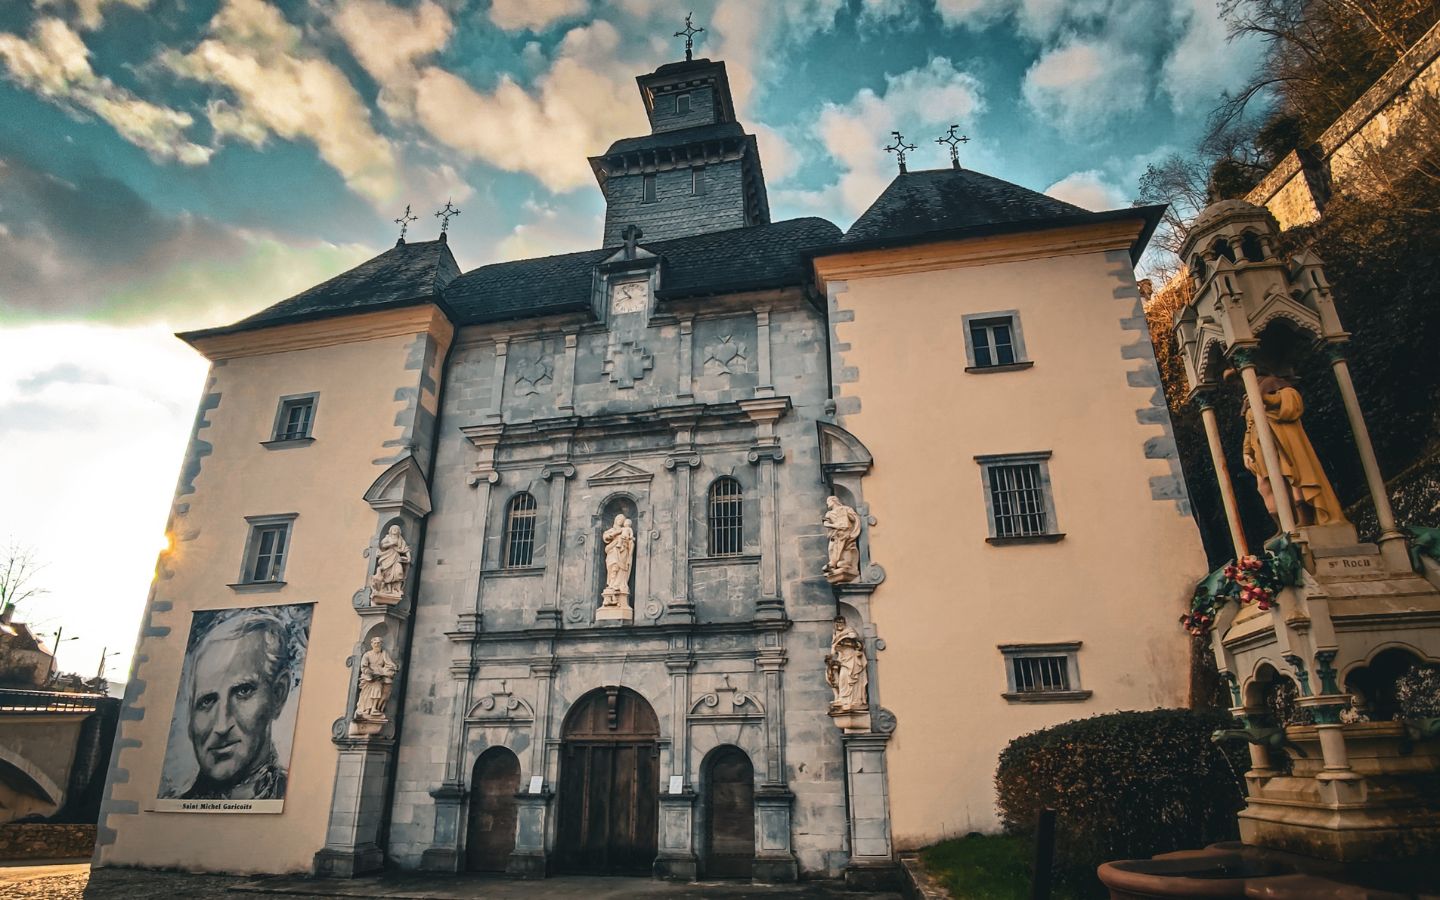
[[592, 563]]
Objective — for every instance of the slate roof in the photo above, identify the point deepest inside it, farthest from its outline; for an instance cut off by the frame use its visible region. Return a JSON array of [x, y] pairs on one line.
[[944, 199], [937, 204], [403, 275], [742, 259], [677, 138]]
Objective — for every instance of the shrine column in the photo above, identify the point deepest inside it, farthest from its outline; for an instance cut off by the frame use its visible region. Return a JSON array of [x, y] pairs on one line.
[[1222, 474], [1392, 540], [1279, 487]]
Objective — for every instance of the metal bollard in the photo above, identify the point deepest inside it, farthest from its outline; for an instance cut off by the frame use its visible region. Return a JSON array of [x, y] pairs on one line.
[[1041, 875]]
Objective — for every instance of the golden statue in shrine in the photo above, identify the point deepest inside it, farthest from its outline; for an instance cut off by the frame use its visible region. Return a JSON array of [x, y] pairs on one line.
[[1311, 495]]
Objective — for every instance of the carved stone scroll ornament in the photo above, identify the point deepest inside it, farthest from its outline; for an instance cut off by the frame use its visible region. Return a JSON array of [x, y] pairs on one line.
[[619, 559], [377, 680], [843, 526], [845, 670], [387, 585]]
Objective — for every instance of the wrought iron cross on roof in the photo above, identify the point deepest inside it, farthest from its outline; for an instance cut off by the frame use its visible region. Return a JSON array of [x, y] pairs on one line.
[[444, 216], [404, 223], [899, 148], [689, 33], [954, 141]]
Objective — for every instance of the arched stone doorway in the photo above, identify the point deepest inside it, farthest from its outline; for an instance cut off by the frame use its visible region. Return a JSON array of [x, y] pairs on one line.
[[490, 837], [729, 814], [609, 784]]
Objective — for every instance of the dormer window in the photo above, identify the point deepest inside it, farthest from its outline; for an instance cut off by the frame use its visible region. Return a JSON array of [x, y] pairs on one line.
[[682, 104]]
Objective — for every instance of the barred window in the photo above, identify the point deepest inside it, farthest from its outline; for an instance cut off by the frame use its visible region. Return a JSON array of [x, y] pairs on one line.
[[1041, 673], [520, 531], [727, 531], [1017, 500]]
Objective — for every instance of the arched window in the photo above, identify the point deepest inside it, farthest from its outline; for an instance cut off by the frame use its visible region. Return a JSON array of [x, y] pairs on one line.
[[520, 531], [727, 532], [1251, 248]]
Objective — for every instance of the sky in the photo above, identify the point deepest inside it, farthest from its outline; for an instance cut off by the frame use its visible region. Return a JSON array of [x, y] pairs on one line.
[[176, 164]]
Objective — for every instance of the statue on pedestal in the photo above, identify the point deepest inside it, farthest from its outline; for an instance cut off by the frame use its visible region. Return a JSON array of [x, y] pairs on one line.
[[619, 559], [845, 669], [1310, 492], [843, 525], [377, 679], [387, 585]]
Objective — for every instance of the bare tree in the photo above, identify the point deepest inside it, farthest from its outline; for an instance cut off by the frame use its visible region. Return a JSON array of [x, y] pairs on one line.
[[18, 568]]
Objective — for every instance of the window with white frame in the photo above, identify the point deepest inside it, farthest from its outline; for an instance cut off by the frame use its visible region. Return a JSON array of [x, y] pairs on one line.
[[294, 418], [520, 531], [266, 549], [1018, 497], [682, 104], [1042, 672], [726, 519], [994, 342]]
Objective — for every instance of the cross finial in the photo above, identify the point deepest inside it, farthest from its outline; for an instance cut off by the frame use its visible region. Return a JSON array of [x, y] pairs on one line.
[[632, 235], [688, 33], [899, 148], [444, 217], [404, 223], [954, 140]]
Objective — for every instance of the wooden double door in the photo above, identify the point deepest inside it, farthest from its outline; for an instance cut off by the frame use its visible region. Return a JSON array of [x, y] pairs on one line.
[[609, 785]]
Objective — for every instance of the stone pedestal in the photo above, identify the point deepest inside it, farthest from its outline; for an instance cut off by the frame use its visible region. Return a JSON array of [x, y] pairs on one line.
[[872, 862], [357, 809], [529, 859], [444, 855], [614, 614], [775, 861], [676, 860]]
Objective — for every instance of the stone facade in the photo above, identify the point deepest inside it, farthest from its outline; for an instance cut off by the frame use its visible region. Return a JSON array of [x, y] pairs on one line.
[[40, 840]]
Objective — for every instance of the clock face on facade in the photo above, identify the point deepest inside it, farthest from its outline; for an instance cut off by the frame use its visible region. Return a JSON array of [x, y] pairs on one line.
[[630, 297]]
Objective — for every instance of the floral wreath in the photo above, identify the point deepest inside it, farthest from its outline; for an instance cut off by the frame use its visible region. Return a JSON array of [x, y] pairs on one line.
[[1251, 579]]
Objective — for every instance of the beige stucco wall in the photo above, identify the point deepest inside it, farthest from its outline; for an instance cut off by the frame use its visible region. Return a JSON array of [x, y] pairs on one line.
[[324, 483], [1117, 581]]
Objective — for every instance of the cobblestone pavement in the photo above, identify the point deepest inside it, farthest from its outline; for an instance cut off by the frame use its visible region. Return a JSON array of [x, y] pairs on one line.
[[77, 882]]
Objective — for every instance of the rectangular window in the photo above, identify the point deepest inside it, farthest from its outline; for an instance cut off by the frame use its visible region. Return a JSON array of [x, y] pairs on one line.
[[294, 418], [1041, 672], [520, 532], [1018, 498], [648, 187], [682, 104], [994, 342], [697, 180], [266, 550]]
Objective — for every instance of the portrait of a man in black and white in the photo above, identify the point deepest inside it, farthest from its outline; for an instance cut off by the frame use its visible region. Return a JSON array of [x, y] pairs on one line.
[[234, 721]]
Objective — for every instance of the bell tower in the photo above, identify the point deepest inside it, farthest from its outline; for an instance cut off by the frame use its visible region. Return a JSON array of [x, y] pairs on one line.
[[696, 172]]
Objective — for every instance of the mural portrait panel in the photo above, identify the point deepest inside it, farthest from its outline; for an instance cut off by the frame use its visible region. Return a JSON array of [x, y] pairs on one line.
[[235, 710]]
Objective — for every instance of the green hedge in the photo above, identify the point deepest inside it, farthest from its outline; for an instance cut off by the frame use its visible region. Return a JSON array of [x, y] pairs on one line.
[[1124, 785]]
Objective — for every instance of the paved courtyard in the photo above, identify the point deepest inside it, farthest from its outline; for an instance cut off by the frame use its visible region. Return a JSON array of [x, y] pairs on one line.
[[77, 882]]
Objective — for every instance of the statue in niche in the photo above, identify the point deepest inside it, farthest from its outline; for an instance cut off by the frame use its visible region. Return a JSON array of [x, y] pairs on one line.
[[843, 525], [1311, 495], [619, 558], [387, 585], [377, 679], [845, 669]]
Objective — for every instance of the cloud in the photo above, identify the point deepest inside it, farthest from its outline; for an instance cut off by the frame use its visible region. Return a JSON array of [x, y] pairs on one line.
[[284, 88], [1083, 85], [1203, 63], [534, 15], [1089, 190], [90, 14], [94, 249], [583, 102], [55, 64], [388, 42], [929, 97], [747, 34], [548, 230]]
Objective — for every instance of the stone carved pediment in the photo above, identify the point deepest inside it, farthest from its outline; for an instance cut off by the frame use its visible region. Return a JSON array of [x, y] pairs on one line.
[[620, 473], [727, 702], [501, 707], [841, 451], [400, 487]]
